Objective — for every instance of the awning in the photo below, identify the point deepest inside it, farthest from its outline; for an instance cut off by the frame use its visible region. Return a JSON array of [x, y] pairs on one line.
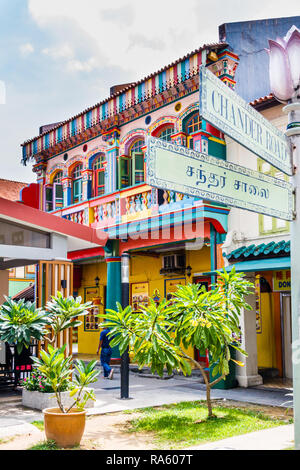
[[28, 235], [270, 264]]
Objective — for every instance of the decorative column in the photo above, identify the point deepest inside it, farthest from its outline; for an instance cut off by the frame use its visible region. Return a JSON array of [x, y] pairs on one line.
[[40, 170], [112, 138], [113, 288], [87, 179], [247, 376], [67, 190], [125, 263]]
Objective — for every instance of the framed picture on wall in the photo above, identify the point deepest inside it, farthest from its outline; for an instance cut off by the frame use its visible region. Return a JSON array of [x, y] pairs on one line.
[[171, 286], [91, 320], [139, 295]]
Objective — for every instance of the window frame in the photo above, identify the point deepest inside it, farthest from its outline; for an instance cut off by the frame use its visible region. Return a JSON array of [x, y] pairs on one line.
[[135, 152], [130, 177], [274, 221], [98, 171], [77, 181], [166, 128], [188, 121]]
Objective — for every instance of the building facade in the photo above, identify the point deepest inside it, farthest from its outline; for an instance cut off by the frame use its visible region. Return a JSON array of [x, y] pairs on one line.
[[91, 169]]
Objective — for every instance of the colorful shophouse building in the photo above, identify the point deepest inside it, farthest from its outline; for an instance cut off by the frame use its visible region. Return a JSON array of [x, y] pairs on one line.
[[91, 170]]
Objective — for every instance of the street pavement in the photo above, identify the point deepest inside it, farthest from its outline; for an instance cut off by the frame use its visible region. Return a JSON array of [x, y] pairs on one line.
[[144, 392], [281, 437]]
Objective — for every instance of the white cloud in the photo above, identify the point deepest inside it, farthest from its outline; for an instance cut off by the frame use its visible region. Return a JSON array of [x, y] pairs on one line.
[[142, 37], [82, 66], [2, 92], [63, 51], [66, 53], [26, 49], [113, 29]]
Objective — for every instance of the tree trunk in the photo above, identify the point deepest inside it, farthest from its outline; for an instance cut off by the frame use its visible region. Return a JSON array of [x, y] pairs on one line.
[[206, 381], [208, 401]]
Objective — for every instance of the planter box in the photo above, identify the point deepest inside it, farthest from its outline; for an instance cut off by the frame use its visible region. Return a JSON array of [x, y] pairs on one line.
[[40, 401]]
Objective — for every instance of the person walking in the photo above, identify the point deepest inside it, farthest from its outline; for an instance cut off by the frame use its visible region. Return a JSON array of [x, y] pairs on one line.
[[106, 353]]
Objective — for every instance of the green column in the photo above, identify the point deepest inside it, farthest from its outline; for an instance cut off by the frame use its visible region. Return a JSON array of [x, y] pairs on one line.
[[213, 253], [113, 289]]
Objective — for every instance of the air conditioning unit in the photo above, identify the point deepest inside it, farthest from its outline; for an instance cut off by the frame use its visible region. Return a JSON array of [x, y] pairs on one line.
[[173, 264]]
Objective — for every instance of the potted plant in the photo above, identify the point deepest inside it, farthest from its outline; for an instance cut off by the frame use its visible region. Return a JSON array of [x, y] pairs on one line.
[[20, 322], [65, 424], [38, 393]]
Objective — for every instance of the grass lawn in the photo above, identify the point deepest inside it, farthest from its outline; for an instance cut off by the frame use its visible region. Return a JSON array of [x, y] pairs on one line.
[[39, 425], [184, 424], [45, 445]]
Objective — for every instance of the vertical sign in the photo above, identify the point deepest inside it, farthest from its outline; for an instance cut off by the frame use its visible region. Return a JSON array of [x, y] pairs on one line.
[[227, 111]]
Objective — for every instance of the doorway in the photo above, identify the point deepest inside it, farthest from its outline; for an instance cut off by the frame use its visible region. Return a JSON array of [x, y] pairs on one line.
[[286, 328]]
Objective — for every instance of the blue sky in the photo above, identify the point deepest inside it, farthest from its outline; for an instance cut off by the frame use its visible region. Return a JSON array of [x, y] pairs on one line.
[[58, 57]]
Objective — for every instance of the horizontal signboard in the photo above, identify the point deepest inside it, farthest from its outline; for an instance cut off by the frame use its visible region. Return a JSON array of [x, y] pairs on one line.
[[227, 111], [175, 168]]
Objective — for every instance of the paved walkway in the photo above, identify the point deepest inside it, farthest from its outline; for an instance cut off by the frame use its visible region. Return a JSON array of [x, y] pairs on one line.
[[279, 438], [144, 392]]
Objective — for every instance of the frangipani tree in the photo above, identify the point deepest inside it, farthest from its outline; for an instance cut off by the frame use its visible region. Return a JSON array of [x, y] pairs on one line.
[[159, 336]]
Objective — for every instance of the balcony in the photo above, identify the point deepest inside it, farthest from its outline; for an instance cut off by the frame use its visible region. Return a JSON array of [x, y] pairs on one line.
[[128, 205]]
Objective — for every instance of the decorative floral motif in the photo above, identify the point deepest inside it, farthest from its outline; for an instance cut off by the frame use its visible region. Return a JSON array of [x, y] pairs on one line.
[[284, 69]]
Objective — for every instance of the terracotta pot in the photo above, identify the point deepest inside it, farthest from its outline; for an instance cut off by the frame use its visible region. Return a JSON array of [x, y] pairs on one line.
[[66, 429]]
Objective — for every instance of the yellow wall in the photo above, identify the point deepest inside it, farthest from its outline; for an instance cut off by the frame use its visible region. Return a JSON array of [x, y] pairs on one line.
[[142, 269], [88, 340], [266, 340]]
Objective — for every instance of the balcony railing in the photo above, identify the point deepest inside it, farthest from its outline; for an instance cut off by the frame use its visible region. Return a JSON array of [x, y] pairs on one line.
[[130, 204]]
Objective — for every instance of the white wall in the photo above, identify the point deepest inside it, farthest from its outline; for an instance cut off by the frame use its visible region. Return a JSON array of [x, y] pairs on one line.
[[243, 227]]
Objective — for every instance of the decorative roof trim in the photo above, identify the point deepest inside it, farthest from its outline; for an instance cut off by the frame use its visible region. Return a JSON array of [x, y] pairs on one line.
[[262, 251], [155, 83], [264, 101]]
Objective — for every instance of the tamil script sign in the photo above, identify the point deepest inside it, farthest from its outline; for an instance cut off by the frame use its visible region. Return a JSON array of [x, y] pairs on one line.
[[176, 168], [227, 111]]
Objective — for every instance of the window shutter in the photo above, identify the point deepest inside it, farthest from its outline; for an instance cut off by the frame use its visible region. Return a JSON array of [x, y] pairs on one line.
[[77, 190], [99, 183], [138, 167], [58, 195], [49, 198], [124, 172]]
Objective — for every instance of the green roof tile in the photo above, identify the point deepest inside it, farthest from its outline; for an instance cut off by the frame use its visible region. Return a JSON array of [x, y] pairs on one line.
[[271, 249]]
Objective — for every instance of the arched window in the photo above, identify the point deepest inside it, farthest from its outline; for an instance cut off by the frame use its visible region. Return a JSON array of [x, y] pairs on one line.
[[54, 193], [77, 183], [131, 167], [58, 190], [192, 127], [137, 162], [58, 177], [99, 176], [166, 133], [193, 124]]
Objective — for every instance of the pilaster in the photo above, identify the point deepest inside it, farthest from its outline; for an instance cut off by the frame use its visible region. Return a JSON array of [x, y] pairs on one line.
[[247, 376]]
